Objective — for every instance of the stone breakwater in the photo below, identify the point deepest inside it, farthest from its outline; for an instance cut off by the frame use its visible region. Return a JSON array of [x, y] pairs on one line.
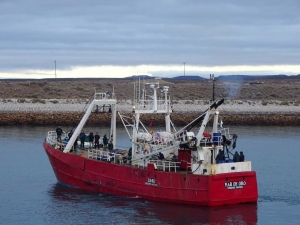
[[179, 119], [68, 112]]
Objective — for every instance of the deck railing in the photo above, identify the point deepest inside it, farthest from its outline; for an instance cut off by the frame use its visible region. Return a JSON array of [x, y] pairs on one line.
[[166, 165], [162, 165], [52, 137], [105, 156]]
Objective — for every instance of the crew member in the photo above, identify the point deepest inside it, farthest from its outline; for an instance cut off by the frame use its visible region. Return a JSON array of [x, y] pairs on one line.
[[242, 157], [161, 156], [236, 157], [59, 132]]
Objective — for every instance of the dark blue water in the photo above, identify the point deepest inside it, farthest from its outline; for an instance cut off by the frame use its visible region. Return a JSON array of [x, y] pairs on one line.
[[29, 193]]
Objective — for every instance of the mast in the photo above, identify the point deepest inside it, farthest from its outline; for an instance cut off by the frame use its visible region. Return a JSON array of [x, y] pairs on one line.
[[99, 99], [212, 77], [149, 104], [154, 97], [113, 124], [167, 105]]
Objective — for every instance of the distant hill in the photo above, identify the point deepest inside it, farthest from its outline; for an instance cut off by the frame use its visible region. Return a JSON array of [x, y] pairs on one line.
[[254, 77], [187, 78], [139, 76], [264, 88], [235, 77], [146, 77], [166, 78]]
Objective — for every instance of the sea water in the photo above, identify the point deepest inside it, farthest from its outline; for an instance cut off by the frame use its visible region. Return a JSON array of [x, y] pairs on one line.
[[30, 194]]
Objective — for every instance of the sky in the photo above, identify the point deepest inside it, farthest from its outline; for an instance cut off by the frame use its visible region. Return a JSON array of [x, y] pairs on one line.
[[160, 38]]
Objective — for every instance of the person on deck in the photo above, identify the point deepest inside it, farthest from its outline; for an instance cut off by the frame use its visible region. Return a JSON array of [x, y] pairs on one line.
[[110, 146], [91, 139], [105, 142], [220, 157], [161, 156], [236, 157], [242, 157], [75, 145], [97, 138], [70, 134], [82, 139], [59, 132]]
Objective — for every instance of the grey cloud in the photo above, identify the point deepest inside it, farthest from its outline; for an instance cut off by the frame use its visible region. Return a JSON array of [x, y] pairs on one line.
[[204, 33]]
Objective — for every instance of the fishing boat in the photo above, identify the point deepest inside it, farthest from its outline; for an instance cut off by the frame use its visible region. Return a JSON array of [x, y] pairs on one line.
[[170, 165]]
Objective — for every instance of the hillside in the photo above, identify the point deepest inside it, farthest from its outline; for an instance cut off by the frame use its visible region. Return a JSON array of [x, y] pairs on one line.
[[257, 88]]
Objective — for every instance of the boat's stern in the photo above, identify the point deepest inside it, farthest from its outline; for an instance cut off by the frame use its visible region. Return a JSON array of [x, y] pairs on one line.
[[233, 188]]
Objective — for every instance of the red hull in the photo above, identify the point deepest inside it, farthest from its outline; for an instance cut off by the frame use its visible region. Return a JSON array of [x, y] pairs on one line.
[[99, 176]]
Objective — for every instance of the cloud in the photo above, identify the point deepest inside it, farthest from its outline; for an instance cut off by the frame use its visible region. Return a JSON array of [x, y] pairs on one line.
[[161, 33]]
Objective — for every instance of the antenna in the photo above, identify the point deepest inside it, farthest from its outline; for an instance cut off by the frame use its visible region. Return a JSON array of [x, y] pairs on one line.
[[139, 97], [133, 89], [55, 67], [212, 77]]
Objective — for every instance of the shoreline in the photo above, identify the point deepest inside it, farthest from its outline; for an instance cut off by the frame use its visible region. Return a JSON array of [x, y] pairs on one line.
[[125, 106], [103, 119], [70, 111]]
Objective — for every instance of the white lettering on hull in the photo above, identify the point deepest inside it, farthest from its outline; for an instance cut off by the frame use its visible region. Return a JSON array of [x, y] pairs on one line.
[[235, 184], [151, 181]]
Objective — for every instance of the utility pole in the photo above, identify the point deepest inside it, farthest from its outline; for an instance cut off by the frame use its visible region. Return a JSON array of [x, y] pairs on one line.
[[55, 67], [212, 77], [184, 68]]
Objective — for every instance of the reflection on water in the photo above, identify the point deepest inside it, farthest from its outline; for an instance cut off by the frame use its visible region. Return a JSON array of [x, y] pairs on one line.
[[131, 210]]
